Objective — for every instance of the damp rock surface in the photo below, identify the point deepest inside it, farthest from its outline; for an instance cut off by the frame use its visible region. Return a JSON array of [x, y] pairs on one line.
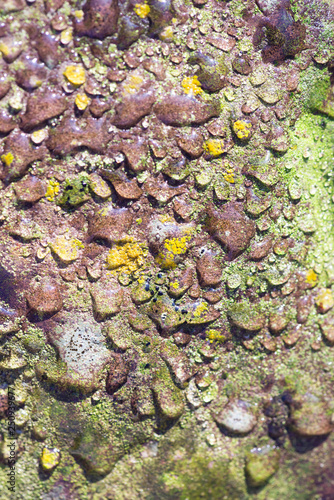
[[166, 280]]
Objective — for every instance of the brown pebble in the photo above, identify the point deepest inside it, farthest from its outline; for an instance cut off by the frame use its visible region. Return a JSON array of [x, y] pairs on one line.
[[209, 270], [44, 297], [30, 189], [260, 249], [117, 375], [181, 339], [231, 228]]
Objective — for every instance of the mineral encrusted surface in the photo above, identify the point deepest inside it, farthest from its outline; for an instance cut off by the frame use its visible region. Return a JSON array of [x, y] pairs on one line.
[[166, 249]]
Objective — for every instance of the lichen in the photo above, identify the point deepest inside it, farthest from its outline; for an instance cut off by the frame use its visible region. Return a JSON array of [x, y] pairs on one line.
[[242, 129], [191, 85], [75, 75], [214, 147], [142, 10], [52, 190], [127, 257], [82, 101]]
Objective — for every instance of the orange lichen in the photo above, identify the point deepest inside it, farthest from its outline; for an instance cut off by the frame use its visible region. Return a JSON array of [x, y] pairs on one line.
[[66, 36], [4, 49], [191, 85], [167, 34], [201, 309], [79, 14], [172, 248], [67, 250], [228, 173], [50, 458]]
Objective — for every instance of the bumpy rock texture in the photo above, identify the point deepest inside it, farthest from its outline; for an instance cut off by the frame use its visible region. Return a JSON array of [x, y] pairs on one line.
[[166, 242]]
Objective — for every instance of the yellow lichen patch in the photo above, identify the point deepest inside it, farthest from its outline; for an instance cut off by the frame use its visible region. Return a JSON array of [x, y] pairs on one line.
[[75, 75], [311, 277], [82, 101], [215, 147], [66, 36], [175, 285], [66, 249], [50, 458], [142, 9], [172, 248], [132, 84], [324, 300], [99, 186], [200, 309], [139, 221], [167, 34], [7, 159], [79, 14], [242, 129], [191, 85], [38, 136], [228, 173], [215, 336], [229, 178], [127, 258], [52, 190], [166, 218], [177, 245], [4, 49]]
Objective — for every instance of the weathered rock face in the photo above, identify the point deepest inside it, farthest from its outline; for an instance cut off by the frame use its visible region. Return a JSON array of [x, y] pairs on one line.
[[117, 375], [133, 108], [42, 106], [209, 270], [231, 228], [261, 466], [7, 124], [236, 418], [110, 224], [106, 301], [44, 297], [166, 233], [183, 110], [99, 19], [72, 135], [19, 154], [246, 316], [83, 355], [30, 189], [310, 417]]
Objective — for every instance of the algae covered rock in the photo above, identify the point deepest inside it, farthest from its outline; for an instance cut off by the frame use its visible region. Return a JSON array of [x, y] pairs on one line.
[[247, 316], [310, 417], [169, 399], [261, 465]]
